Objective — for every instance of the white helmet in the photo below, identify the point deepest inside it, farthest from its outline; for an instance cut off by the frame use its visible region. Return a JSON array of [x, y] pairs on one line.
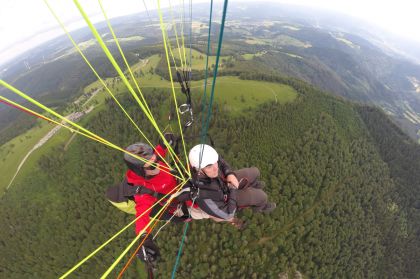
[[206, 153]]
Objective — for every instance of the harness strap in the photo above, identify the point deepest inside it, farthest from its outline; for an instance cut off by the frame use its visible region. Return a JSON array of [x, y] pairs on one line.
[[129, 190], [143, 190], [217, 195], [181, 82]]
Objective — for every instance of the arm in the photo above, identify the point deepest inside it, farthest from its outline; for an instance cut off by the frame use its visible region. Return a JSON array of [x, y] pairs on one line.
[[228, 173], [161, 149], [224, 167], [143, 204]]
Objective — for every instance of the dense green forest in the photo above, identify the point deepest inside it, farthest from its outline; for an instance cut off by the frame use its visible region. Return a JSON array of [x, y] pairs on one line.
[[345, 180]]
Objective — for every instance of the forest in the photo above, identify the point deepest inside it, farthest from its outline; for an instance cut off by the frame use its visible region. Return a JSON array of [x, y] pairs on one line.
[[344, 177]]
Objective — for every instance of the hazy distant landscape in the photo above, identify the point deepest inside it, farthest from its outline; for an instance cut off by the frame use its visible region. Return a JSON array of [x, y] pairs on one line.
[[285, 41], [328, 108]]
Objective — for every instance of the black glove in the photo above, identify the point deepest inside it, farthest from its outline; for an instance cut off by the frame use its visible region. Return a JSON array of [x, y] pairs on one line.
[[149, 252], [170, 138]]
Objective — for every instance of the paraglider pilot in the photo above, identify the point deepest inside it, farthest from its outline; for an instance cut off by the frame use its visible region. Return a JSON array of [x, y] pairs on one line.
[[151, 183]]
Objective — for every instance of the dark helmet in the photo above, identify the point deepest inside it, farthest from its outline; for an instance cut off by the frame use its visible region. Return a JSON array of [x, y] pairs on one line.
[[142, 150]]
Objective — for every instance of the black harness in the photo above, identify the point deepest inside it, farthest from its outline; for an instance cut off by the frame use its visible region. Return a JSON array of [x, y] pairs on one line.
[[126, 191], [141, 190], [201, 188]]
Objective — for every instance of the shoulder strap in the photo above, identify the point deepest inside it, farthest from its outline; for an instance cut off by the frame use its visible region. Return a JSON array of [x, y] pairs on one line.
[[129, 190]]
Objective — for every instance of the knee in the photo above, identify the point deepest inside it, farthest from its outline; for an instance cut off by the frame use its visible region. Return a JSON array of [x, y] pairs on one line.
[[262, 197], [255, 172]]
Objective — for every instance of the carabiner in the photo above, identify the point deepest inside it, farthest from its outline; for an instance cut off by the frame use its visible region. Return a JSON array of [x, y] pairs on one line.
[[184, 108]]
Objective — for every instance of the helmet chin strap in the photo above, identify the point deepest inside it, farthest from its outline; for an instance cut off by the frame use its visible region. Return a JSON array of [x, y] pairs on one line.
[[151, 173], [203, 173]]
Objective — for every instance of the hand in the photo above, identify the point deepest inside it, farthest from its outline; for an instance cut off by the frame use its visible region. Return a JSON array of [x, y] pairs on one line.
[[149, 252], [232, 180], [170, 138]]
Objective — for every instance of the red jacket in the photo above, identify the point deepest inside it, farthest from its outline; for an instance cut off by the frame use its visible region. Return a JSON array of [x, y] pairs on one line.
[[162, 183]]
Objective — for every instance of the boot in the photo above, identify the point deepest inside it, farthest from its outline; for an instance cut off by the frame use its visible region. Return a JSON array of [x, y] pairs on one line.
[[270, 206], [259, 185], [238, 223]]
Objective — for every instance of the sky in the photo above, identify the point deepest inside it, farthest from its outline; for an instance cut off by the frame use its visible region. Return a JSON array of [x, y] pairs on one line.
[[27, 23]]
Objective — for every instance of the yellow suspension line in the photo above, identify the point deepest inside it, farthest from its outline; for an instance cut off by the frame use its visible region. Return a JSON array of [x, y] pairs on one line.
[[170, 51], [175, 64], [71, 129], [101, 80], [124, 79], [123, 56], [173, 57], [172, 84], [48, 119], [176, 35], [182, 35], [99, 139], [179, 187], [172, 154], [138, 236]]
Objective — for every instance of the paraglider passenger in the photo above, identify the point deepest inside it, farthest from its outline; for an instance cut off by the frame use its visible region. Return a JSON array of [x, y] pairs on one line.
[[221, 191]]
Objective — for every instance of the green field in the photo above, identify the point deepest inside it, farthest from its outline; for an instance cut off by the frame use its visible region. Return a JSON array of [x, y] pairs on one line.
[[250, 56], [198, 58], [238, 95], [256, 41], [287, 40]]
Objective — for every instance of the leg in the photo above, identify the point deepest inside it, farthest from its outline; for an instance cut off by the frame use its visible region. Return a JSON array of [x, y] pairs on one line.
[[252, 197], [250, 175], [197, 214]]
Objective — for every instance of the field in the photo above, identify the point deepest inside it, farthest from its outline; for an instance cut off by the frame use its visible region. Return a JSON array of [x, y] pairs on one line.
[[250, 56], [12, 152], [198, 58], [15, 150], [238, 95], [287, 40]]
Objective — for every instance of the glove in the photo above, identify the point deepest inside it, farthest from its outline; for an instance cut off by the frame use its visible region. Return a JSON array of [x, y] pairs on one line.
[[170, 138], [149, 252]]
